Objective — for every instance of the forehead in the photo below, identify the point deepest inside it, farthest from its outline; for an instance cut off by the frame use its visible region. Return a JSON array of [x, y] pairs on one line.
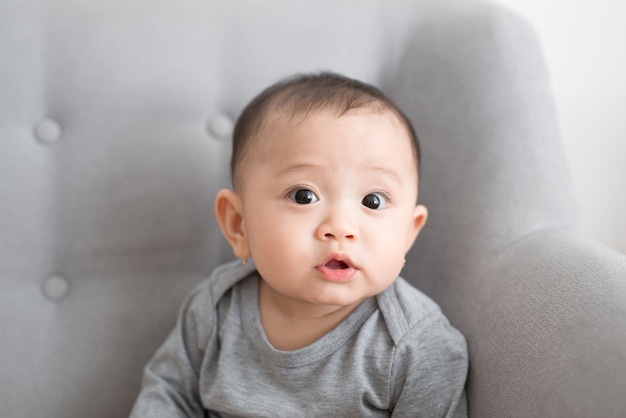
[[363, 127], [357, 140]]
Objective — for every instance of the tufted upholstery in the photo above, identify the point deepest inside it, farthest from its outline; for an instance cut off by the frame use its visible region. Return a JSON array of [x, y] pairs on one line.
[[115, 121]]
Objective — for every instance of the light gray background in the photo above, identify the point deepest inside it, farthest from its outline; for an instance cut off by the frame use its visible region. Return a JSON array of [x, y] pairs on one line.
[[584, 46]]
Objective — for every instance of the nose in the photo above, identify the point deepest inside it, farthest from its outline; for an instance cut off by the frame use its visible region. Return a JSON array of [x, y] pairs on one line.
[[338, 225]]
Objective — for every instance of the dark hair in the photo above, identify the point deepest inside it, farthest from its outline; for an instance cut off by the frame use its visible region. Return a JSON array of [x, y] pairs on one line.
[[302, 94]]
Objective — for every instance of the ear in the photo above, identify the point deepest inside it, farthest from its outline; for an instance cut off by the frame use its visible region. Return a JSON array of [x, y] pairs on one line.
[[420, 215], [229, 214]]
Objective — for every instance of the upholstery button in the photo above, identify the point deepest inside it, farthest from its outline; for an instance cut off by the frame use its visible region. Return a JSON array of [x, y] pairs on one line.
[[48, 131], [221, 127], [56, 287]]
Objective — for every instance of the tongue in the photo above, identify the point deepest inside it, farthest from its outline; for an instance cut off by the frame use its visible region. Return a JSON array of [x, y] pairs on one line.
[[336, 264]]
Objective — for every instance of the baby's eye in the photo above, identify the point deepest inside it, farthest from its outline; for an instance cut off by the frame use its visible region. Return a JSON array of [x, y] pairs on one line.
[[375, 201], [302, 196]]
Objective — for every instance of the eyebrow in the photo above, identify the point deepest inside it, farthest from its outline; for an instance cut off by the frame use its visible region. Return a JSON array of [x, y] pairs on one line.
[[295, 168], [388, 172]]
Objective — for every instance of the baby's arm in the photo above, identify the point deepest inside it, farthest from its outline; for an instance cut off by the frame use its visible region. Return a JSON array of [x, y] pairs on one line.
[[429, 372], [170, 381]]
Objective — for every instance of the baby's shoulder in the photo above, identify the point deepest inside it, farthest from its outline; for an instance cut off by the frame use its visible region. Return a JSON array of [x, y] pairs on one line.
[[200, 304], [409, 312], [221, 280]]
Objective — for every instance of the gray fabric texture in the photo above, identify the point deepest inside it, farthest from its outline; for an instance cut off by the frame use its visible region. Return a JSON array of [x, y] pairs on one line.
[[395, 355], [114, 138]]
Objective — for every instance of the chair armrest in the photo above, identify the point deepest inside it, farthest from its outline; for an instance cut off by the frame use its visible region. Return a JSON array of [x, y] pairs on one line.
[[548, 334]]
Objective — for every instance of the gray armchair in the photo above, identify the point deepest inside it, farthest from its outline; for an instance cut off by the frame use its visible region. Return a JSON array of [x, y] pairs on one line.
[[115, 120]]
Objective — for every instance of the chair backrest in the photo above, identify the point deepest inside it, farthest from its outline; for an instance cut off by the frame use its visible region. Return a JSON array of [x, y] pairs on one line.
[[115, 125]]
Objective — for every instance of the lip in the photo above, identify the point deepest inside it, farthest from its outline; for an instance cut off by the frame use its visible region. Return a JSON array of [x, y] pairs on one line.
[[337, 268]]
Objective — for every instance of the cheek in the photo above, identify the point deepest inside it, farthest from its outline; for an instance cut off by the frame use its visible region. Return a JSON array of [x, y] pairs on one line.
[[280, 251], [276, 238], [391, 254], [391, 240]]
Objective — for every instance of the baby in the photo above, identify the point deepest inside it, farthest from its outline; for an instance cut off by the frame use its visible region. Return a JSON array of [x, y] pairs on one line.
[[314, 320]]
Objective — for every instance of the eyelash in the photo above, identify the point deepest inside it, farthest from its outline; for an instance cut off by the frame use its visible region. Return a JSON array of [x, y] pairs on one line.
[[291, 194], [385, 196]]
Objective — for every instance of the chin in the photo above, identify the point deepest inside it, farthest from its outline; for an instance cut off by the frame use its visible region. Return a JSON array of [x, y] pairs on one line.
[[342, 301]]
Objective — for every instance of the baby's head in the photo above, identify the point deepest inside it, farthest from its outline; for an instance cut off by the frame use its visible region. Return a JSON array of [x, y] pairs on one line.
[[325, 171], [299, 96]]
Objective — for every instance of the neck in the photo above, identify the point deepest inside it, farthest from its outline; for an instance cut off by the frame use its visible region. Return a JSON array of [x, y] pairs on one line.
[[292, 324]]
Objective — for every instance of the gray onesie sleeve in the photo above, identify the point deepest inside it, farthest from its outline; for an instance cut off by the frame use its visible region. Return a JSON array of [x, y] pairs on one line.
[[430, 369], [170, 386], [170, 382]]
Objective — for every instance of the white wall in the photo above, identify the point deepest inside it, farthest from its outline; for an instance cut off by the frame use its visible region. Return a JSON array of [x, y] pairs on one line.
[[584, 43]]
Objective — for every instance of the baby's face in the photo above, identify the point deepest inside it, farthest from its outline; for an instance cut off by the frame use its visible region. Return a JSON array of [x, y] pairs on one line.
[[329, 206]]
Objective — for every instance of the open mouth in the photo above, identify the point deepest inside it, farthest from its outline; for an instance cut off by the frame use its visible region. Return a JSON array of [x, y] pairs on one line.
[[337, 270], [337, 265]]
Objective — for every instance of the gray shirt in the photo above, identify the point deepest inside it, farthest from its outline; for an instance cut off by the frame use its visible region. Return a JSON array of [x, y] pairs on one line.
[[396, 354]]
